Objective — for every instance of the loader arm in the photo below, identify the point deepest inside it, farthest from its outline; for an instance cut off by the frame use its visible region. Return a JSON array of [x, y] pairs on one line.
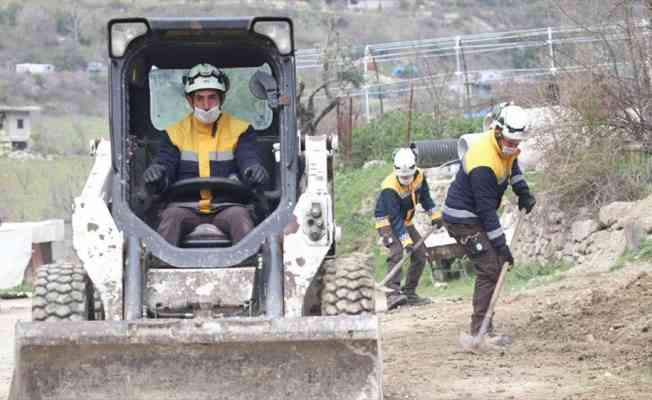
[[96, 238], [311, 233]]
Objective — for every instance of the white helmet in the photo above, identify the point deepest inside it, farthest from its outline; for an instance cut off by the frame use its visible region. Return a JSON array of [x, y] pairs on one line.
[[205, 76], [489, 120], [512, 121], [405, 165]]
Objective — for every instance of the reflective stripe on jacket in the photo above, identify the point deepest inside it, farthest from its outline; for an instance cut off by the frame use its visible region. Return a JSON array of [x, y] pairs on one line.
[[190, 150]]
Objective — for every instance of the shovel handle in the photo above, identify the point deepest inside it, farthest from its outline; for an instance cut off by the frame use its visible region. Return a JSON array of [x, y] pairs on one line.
[[499, 284], [407, 255], [494, 300]]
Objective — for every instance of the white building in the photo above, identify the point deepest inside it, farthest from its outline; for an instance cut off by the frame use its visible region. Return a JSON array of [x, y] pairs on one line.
[[36, 69], [16, 125]]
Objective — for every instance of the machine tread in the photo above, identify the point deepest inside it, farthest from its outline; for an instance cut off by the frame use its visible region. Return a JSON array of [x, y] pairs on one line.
[[347, 288], [63, 292]]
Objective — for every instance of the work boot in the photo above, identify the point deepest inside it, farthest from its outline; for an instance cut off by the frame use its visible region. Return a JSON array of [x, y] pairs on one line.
[[396, 299], [414, 299]]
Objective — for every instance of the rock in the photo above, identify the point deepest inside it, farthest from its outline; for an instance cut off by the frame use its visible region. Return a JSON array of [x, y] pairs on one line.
[[607, 247], [611, 213], [641, 214], [556, 217], [558, 242], [584, 247], [580, 230], [633, 235]]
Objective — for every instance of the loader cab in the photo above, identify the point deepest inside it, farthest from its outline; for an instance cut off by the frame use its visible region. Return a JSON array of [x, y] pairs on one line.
[[149, 58], [167, 105]]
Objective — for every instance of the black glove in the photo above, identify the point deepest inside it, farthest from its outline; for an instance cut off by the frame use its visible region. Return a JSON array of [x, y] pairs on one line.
[[526, 202], [437, 223], [388, 240], [256, 175], [154, 174], [409, 248], [505, 254]]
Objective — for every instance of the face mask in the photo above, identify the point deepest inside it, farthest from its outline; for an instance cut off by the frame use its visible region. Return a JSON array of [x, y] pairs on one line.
[[405, 180], [207, 117], [509, 149]]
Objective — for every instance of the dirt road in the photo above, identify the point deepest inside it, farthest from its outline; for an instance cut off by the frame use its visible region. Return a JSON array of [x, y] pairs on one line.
[[10, 312], [582, 337]]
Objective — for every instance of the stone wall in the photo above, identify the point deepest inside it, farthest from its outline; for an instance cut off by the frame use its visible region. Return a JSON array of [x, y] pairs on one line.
[[588, 241]]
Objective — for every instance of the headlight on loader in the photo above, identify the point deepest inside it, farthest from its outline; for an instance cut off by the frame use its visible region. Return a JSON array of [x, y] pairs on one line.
[[122, 33], [279, 31]]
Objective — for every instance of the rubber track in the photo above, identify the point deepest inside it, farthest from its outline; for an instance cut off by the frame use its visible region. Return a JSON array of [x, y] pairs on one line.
[[348, 289], [61, 293]]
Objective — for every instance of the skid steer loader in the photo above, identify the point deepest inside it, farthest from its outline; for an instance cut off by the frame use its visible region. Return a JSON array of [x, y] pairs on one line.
[[272, 316]]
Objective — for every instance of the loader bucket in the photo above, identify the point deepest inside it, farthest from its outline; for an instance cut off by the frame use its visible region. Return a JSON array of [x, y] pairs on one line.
[[248, 358]]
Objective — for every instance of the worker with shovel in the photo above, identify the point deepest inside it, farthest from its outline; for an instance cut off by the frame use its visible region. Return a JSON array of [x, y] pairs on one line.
[[470, 209], [395, 209]]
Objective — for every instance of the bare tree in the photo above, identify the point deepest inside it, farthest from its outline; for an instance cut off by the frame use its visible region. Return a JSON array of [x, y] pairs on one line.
[[606, 94], [339, 76]]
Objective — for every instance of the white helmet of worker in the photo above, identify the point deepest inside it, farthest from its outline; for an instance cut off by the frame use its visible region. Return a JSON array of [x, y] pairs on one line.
[[405, 165], [205, 76], [513, 123], [489, 120]]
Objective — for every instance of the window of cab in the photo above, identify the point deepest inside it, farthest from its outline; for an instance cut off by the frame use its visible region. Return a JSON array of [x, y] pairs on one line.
[[168, 104]]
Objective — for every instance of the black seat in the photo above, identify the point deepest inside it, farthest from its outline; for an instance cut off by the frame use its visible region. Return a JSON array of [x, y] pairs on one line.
[[206, 235]]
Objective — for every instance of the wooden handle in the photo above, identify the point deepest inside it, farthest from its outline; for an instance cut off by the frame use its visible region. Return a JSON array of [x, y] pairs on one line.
[[494, 300]]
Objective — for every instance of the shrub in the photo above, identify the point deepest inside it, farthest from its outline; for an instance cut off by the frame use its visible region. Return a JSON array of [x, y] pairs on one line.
[[377, 140]]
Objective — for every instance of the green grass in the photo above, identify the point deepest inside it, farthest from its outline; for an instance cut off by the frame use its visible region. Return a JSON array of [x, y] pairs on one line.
[[644, 253], [66, 135], [33, 190], [17, 291], [535, 274], [355, 195], [42, 189], [519, 277]]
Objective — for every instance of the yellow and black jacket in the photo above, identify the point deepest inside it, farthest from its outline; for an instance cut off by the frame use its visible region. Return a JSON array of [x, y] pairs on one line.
[[190, 150], [396, 204], [478, 188]]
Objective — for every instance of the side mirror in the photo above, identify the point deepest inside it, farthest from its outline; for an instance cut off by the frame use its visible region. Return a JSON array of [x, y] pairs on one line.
[[263, 86]]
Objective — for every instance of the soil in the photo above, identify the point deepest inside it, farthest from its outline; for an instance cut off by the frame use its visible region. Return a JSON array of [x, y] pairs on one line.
[[10, 312], [582, 337]]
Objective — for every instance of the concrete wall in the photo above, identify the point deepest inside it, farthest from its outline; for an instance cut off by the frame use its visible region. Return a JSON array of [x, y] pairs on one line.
[[24, 246]]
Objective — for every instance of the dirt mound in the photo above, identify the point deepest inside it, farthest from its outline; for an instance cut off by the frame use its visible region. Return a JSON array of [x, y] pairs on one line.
[[612, 320]]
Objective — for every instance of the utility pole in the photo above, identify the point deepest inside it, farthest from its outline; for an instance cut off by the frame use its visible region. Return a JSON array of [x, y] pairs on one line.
[[467, 89], [365, 74], [458, 67], [553, 69], [408, 135], [380, 87]]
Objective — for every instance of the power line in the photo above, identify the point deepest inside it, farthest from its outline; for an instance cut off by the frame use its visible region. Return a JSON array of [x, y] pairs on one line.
[[476, 43]]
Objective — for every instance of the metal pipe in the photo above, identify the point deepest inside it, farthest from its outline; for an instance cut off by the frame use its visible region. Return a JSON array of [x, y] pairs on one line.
[[133, 281], [433, 153], [273, 277]]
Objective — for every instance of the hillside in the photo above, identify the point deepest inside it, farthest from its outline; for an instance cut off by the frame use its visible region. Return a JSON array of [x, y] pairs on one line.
[[70, 34]]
